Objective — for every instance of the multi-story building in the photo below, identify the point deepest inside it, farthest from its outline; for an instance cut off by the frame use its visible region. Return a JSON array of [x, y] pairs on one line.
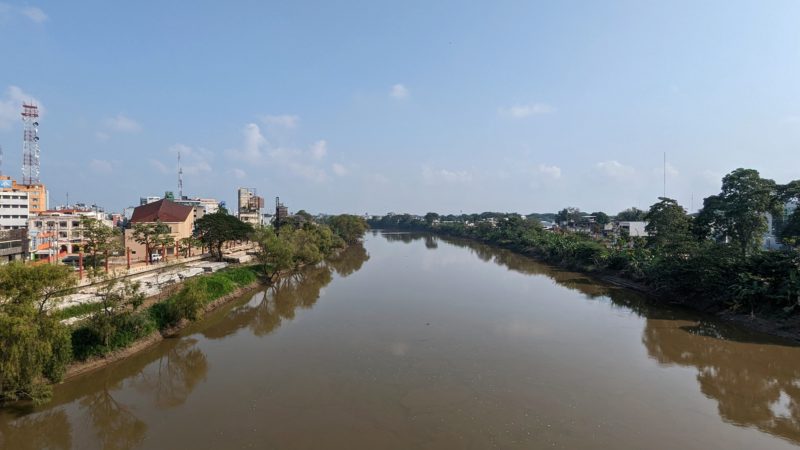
[[37, 193], [59, 232], [250, 206], [14, 210]]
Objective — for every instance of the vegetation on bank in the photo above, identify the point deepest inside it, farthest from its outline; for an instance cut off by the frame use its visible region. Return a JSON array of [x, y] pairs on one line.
[[711, 260], [36, 347]]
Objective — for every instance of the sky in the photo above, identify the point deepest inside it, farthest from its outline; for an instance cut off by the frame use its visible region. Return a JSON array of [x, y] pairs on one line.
[[414, 106]]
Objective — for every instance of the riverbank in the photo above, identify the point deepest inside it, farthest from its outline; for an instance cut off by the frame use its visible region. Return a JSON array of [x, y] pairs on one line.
[[787, 328], [79, 368]]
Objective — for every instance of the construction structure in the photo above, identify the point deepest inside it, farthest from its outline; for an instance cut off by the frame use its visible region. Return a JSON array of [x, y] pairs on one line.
[[281, 212], [250, 206]]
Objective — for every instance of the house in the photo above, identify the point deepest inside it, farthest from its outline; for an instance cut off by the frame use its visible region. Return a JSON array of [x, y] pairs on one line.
[[179, 218], [59, 232]]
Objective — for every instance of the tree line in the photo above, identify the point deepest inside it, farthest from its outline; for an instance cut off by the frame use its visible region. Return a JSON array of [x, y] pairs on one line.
[[711, 260]]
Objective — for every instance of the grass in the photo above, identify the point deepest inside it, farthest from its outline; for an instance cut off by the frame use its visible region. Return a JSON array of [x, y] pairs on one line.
[[76, 310], [195, 294]]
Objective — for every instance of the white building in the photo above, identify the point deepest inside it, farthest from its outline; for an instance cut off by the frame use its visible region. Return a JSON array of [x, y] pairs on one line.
[[633, 229], [14, 210]]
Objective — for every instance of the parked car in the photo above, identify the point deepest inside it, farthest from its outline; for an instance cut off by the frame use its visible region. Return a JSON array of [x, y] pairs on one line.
[[155, 257], [71, 260]]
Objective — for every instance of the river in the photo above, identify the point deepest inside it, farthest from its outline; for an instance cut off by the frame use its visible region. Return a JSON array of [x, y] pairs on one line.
[[415, 341]]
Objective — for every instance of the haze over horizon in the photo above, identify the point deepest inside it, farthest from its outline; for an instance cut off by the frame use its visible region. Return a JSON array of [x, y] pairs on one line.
[[378, 107]]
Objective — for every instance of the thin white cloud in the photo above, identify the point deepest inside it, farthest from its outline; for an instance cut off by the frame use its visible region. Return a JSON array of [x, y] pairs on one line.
[[100, 166], [101, 136], [11, 106], [615, 169], [553, 172], [239, 174], [378, 178], [399, 92], [791, 120], [522, 111], [34, 13], [433, 176], [304, 163], [319, 149], [339, 169], [283, 120], [671, 170], [159, 166], [122, 124]]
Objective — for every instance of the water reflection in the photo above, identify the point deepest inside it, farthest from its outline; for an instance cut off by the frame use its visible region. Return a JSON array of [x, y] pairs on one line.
[[755, 379], [267, 310], [754, 384], [174, 376], [165, 376], [114, 424]]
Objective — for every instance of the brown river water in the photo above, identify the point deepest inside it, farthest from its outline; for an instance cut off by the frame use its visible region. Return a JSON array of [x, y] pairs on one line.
[[414, 341]]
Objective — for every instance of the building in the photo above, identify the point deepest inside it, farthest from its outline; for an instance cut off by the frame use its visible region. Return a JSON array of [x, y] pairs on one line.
[[179, 218], [14, 210], [148, 199], [13, 245], [250, 206], [281, 212], [59, 232], [633, 229], [37, 193]]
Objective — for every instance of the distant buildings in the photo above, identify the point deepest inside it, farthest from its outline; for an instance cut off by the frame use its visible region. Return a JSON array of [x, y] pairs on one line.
[[250, 206]]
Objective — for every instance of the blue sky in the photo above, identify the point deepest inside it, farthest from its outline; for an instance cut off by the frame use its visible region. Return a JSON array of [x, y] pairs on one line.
[[403, 106]]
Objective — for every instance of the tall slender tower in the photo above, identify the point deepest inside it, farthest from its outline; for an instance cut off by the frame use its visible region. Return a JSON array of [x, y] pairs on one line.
[[30, 144], [180, 177]]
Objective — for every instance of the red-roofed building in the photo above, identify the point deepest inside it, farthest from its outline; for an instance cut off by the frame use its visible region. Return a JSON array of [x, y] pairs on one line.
[[179, 218]]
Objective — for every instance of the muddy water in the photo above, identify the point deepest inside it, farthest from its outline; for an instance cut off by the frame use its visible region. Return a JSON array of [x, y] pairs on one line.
[[418, 342]]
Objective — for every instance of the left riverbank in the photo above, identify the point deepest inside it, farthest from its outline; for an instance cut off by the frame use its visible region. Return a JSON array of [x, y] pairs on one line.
[[160, 317]]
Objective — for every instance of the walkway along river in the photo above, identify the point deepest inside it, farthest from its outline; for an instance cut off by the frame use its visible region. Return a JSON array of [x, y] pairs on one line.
[[414, 341]]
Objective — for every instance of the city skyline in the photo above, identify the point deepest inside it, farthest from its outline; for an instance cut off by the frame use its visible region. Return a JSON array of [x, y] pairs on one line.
[[526, 107]]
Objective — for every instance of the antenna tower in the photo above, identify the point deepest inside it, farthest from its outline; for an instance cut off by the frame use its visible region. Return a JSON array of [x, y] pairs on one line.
[[30, 144], [180, 177]]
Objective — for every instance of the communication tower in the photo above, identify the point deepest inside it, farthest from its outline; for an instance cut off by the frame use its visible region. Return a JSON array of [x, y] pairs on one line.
[[180, 177], [30, 144]]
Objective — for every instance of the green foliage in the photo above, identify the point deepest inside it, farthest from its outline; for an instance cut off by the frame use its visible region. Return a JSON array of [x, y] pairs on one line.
[[668, 227], [214, 230], [100, 238], [348, 227], [34, 346], [738, 213], [632, 214]]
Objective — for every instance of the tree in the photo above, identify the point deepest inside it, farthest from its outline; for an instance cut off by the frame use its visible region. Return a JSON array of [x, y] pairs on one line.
[[790, 234], [601, 218], [348, 227], [214, 230], [632, 214], [151, 234], [668, 227], [34, 346], [431, 217], [99, 237], [188, 243], [275, 252], [569, 215], [738, 213], [117, 298]]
